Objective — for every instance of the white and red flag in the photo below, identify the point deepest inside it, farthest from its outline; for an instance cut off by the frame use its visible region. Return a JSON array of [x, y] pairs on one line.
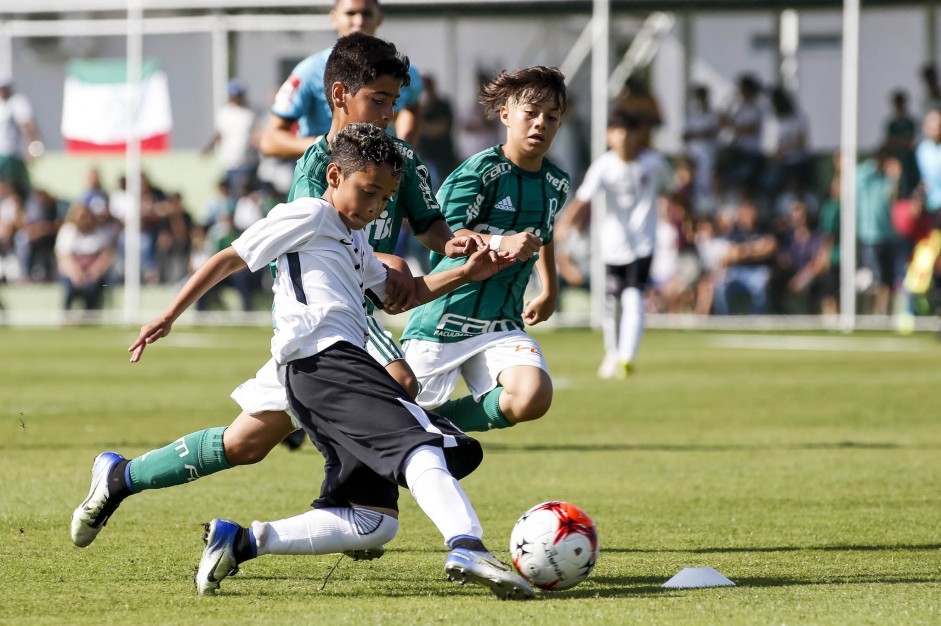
[[96, 107]]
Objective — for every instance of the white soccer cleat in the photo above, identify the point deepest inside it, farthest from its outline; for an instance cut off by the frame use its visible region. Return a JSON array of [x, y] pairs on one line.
[[218, 559], [464, 565], [92, 514], [609, 367]]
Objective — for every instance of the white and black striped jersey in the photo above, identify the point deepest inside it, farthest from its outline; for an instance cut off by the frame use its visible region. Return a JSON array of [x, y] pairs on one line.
[[325, 272]]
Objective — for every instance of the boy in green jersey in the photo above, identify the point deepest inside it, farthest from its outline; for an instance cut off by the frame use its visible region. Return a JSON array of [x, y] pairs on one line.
[[364, 74], [509, 195]]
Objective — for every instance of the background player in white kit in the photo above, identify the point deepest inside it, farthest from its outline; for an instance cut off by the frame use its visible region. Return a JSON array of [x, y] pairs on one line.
[[633, 179]]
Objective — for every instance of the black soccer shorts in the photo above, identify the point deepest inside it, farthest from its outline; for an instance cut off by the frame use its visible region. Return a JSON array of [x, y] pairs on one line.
[[365, 425]]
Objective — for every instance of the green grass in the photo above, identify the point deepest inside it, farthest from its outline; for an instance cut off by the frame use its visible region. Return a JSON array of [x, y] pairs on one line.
[[809, 477]]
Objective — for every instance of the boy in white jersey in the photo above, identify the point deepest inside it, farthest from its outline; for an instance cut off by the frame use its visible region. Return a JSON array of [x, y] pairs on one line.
[[508, 195], [364, 74], [373, 438], [633, 178]]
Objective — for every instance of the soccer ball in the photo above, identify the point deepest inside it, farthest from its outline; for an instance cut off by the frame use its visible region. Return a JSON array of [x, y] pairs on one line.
[[554, 545]]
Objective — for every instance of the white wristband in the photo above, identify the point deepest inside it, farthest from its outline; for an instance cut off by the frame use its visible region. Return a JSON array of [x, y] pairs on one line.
[[495, 242]]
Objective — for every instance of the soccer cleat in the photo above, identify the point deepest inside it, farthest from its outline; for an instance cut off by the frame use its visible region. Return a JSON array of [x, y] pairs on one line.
[[625, 370], [92, 514], [218, 559], [367, 554], [609, 367], [479, 566]]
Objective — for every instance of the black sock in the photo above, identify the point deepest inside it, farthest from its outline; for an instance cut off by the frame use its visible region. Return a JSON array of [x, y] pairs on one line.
[[243, 548], [471, 543], [117, 485]]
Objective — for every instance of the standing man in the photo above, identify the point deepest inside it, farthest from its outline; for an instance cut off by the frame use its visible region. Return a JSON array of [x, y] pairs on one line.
[[301, 99], [233, 139], [16, 124]]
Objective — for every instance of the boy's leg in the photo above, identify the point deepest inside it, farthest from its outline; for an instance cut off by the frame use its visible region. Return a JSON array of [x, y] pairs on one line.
[[373, 439], [205, 452], [443, 500], [358, 532], [511, 378]]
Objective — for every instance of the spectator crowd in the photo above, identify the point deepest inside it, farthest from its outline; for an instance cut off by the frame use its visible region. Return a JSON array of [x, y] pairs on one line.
[[750, 224]]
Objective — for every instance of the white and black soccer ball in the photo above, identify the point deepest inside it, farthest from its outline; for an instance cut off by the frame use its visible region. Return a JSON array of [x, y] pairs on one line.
[[554, 545]]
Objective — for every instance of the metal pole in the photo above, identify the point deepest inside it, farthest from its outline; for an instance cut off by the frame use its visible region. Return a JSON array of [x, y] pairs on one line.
[[848, 149], [132, 234], [600, 24], [220, 64], [788, 46]]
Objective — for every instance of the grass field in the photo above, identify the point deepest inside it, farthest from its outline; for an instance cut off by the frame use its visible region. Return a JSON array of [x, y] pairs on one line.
[[804, 468]]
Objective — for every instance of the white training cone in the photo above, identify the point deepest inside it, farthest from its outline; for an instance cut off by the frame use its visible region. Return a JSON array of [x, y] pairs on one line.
[[697, 577]]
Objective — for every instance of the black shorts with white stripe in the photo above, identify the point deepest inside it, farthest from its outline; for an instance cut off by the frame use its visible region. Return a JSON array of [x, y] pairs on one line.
[[365, 425]]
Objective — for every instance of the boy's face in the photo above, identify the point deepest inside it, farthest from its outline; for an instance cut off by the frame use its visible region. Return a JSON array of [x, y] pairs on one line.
[[361, 196], [373, 104], [531, 126], [356, 16]]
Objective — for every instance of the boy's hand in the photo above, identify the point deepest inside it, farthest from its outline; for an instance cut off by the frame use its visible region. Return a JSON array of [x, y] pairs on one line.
[[463, 245], [485, 263], [149, 333], [523, 245], [400, 288], [539, 309]]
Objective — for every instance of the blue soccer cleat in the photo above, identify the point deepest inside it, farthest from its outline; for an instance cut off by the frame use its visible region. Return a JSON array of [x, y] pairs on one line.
[[92, 514], [479, 566], [218, 556]]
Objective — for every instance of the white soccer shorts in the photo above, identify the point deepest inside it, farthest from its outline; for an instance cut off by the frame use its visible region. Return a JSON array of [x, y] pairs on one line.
[[478, 359]]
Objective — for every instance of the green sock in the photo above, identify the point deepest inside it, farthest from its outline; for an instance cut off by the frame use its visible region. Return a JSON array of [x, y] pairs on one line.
[[186, 459], [470, 416]]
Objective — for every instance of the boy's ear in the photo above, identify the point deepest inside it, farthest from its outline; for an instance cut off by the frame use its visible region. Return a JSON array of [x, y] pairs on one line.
[[505, 115], [334, 174], [338, 92]]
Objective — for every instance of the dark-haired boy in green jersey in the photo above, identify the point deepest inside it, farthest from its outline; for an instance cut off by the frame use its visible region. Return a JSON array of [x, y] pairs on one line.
[[510, 195]]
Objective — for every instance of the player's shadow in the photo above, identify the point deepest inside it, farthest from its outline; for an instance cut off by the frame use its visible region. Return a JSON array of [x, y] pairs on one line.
[[823, 548], [499, 448]]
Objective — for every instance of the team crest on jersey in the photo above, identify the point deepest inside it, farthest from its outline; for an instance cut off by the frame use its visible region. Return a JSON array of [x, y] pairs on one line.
[[496, 172]]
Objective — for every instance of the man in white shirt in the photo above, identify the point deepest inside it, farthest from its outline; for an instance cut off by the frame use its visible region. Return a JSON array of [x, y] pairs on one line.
[[16, 129], [633, 179], [233, 139]]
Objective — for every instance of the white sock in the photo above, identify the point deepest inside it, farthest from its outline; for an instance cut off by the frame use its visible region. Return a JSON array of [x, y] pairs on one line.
[[609, 324], [632, 323], [439, 495], [325, 531]]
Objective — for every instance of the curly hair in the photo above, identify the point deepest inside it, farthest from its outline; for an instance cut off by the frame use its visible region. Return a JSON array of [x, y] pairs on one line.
[[359, 59], [533, 84], [359, 146]]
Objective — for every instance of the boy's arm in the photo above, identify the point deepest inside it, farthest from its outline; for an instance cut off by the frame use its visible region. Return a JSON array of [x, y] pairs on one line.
[[479, 266], [219, 266], [541, 308]]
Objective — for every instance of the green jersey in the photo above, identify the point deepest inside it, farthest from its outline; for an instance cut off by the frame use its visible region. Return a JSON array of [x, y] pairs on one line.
[[489, 194], [413, 201]]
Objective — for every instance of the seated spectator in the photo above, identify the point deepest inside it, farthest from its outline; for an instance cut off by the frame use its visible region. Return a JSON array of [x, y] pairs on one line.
[[11, 221], [801, 266], [95, 197], [712, 243], [741, 161], [675, 269], [900, 131], [829, 228], [85, 252], [747, 264], [37, 239], [788, 135], [173, 239]]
